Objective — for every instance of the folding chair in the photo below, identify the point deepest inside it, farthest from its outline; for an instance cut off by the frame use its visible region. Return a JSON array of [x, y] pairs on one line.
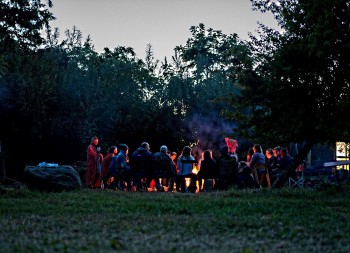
[[227, 172], [261, 173], [299, 180], [227, 168], [162, 168]]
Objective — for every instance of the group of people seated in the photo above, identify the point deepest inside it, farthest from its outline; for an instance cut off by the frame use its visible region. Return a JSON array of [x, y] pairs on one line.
[[272, 169], [136, 171]]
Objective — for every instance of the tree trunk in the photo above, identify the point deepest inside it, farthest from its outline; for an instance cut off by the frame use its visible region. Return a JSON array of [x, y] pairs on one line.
[[303, 152]]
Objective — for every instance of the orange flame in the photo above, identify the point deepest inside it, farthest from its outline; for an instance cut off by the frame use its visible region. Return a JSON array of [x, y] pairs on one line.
[[195, 169]]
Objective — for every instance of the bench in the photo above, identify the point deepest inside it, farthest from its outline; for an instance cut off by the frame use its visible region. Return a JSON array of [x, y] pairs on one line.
[[326, 169], [340, 172], [337, 164]]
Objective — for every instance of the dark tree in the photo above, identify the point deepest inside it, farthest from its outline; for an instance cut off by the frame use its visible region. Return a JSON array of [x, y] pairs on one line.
[[22, 21], [299, 91], [204, 68]]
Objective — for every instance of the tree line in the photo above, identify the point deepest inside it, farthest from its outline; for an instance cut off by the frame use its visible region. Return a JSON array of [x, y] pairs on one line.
[[278, 87]]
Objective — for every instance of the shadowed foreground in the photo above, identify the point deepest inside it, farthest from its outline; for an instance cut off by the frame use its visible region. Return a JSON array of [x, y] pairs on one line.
[[288, 220]]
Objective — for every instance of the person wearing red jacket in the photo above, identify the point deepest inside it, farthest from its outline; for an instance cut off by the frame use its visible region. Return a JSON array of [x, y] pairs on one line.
[[94, 161]]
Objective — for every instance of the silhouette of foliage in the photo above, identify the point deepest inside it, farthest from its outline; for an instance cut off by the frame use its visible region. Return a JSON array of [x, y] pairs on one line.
[[299, 90]]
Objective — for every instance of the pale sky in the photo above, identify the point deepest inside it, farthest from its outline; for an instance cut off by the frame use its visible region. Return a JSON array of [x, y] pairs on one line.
[[164, 24]]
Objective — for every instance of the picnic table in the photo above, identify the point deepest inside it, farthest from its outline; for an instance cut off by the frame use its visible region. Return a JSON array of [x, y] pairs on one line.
[[327, 171]]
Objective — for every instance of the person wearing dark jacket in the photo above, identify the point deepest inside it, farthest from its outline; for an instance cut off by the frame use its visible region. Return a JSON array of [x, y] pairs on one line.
[[287, 164], [286, 169], [141, 165], [271, 165], [208, 168], [227, 169], [120, 168], [163, 155], [258, 165]]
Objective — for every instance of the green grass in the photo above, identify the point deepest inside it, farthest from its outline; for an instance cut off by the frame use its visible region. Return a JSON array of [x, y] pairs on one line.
[[288, 220]]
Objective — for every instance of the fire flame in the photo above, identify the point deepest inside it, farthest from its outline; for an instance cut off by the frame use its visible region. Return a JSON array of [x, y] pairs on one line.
[[195, 169]]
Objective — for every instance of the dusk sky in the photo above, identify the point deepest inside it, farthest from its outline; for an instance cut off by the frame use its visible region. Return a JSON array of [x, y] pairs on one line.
[[164, 24]]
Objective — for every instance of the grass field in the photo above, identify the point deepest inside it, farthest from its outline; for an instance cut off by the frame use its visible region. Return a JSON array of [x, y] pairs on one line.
[[288, 220]]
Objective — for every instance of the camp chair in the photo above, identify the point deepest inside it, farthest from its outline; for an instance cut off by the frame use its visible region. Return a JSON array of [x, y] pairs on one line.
[[227, 172], [227, 167], [259, 167], [260, 177], [299, 180], [162, 168]]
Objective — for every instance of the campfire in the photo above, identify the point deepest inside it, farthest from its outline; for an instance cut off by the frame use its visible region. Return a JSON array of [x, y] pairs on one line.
[[195, 169]]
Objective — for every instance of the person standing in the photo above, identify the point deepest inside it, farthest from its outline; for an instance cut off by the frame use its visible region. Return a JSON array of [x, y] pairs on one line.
[[94, 160], [232, 147]]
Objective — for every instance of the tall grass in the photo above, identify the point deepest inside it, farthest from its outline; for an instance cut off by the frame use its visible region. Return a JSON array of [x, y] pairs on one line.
[[288, 220]]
